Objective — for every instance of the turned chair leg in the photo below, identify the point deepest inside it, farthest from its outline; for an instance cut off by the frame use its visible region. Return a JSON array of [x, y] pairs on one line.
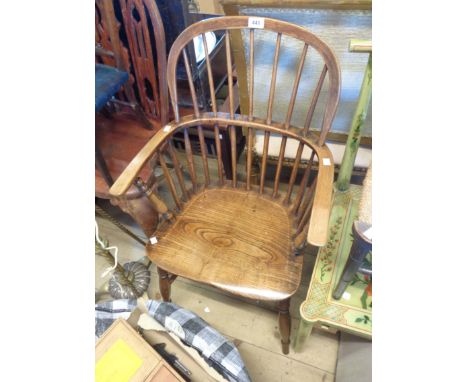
[[164, 285], [284, 325]]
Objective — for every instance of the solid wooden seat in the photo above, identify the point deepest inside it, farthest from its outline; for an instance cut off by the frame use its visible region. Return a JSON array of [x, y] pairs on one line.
[[235, 240]]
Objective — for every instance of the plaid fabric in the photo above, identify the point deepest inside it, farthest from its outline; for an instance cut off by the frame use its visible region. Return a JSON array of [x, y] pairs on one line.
[[218, 352]]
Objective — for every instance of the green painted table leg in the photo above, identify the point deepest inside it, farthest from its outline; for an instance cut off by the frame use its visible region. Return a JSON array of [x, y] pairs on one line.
[[303, 332], [354, 135]]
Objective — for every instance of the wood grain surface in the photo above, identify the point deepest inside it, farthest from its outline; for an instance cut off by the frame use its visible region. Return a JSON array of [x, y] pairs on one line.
[[235, 240]]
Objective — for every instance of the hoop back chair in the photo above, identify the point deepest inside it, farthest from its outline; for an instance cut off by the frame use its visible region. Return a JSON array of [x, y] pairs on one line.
[[231, 234]]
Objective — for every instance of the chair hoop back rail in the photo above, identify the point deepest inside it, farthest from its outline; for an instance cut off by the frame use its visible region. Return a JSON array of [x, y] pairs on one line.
[[265, 224], [314, 200]]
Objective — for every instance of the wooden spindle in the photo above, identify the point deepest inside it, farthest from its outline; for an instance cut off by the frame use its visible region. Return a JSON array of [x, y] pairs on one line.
[[178, 171], [188, 145], [305, 178], [307, 200], [279, 165], [305, 218], [232, 129], [201, 136], [287, 122], [292, 102], [249, 129], [273, 79], [158, 205], [214, 108], [292, 179], [229, 70], [170, 181], [266, 141], [190, 164], [314, 100], [300, 239]]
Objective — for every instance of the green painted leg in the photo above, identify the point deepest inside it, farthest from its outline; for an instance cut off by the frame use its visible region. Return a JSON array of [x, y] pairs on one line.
[[303, 332], [354, 135]]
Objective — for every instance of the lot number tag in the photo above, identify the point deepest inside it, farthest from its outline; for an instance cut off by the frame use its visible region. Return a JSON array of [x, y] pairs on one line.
[[256, 22]]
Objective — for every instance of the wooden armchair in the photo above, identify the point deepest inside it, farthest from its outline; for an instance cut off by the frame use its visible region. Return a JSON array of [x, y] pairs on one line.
[[236, 236]]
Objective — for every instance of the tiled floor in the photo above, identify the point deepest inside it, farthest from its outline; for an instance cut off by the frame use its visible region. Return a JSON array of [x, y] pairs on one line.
[[252, 326]]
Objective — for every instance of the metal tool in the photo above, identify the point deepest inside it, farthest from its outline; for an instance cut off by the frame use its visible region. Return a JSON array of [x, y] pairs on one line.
[[172, 360]]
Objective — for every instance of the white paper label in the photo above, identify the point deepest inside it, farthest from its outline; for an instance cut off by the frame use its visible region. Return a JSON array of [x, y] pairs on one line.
[[153, 240], [256, 22], [220, 136], [346, 296], [368, 233], [326, 161], [167, 128]]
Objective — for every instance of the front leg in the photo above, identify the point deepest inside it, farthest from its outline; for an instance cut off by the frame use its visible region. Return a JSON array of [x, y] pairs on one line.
[[284, 325], [164, 284]]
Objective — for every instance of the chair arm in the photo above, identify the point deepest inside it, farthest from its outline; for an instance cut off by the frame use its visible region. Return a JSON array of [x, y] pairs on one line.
[[318, 227], [128, 176]]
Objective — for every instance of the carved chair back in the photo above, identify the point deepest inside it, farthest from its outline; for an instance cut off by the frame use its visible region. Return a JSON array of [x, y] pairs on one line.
[[145, 59], [144, 29], [309, 206]]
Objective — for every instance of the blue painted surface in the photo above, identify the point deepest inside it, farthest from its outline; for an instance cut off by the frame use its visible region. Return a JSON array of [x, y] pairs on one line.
[[108, 81]]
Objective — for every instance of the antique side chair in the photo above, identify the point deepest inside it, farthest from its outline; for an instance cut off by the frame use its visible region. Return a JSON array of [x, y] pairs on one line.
[[145, 61], [239, 237]]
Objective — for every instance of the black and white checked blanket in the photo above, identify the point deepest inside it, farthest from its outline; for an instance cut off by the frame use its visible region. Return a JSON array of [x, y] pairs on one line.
[[216, 350]]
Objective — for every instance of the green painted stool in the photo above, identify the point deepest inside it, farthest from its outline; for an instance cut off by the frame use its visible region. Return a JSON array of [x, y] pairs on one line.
[[353, 311]]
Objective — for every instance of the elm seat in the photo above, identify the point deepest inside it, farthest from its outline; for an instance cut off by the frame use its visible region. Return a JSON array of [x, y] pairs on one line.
[[108, 81], [223, 238]]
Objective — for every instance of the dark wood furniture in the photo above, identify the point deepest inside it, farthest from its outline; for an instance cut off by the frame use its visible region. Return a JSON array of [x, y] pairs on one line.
[[133, 34], [144, 32], [239, 237], [111, 52], [108, 81]]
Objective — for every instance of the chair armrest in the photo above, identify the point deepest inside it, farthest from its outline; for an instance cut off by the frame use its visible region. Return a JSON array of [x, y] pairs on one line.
[[128, 176], [318, 227]]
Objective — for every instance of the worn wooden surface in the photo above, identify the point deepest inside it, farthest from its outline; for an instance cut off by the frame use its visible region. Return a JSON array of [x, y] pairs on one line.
[[149, 65], [319, 4], [226, 238], [255, 329]]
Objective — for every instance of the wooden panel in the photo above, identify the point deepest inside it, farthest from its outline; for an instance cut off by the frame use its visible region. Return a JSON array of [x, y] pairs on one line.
[[226, 238], [143, 24], [228, 5]]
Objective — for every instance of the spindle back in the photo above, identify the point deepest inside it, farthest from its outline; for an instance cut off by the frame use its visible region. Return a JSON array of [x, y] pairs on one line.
[[312, 199]]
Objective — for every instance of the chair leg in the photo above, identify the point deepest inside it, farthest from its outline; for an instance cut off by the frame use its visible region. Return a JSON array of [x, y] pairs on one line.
[[164, 285], [359, 250], [284, 325]]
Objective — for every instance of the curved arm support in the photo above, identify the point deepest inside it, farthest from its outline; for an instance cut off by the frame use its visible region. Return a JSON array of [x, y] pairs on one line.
[[318, 227], [126, 179]]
